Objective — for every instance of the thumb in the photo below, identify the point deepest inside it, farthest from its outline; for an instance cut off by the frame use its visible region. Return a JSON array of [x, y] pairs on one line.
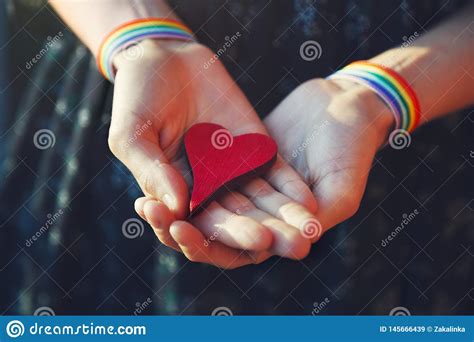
[[338, 194], [156, 177]]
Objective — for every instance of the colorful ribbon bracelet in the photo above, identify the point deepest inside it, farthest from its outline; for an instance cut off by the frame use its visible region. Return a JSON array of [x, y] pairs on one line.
[[130, 33], [390, 87]]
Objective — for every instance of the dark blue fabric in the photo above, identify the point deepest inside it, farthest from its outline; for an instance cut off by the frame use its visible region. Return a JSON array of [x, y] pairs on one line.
[[83, 264], [3, 66]]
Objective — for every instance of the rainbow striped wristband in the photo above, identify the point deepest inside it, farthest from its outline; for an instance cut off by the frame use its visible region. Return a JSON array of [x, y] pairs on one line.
[[130, 33], [390, 87]]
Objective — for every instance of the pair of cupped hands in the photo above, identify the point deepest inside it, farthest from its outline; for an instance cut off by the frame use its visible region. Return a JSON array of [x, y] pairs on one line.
[[327, 133]]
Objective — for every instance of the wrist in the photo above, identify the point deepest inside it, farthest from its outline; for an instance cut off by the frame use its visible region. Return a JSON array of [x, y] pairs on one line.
[[389, 86], [128, 37], [409, 62], [149, 49], [375, 114]]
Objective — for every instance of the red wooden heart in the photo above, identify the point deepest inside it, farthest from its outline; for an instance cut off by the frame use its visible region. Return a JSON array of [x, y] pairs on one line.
[[219, 160]]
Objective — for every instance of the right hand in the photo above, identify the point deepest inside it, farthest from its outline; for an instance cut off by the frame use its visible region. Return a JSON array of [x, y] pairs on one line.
[[330, 130], [157, 98]]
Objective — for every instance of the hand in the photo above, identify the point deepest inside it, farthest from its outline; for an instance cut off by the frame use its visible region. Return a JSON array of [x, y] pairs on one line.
[[156, 99], [330, 131]]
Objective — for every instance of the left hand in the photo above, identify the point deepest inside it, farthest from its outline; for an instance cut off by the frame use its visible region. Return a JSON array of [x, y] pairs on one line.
[[329, 131]]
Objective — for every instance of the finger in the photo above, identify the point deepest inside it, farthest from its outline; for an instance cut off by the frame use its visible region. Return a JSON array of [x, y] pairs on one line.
[[288, 241], [281, 175], [160, 219], [266, 198], [286, 180], [233, 230], [147, 162], [259, 257], [339, 195], [190, 240], [139, 205]]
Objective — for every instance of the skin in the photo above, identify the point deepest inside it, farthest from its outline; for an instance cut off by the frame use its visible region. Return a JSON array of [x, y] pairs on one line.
[[328, 131], [340, 128], [342, 124], [181, 92]]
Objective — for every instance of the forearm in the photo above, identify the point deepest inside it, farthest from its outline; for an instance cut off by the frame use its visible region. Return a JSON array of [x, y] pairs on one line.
[[92, 20], [439, 65]]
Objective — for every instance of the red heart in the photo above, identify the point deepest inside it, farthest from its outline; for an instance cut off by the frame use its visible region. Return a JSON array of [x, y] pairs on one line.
[[219, 160]]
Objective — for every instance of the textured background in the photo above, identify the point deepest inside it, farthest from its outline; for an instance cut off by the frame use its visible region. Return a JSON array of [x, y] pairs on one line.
[[83, 264]]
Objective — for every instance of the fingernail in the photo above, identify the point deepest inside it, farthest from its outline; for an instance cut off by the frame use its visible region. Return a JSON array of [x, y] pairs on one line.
[[168, 201], [141, 215]]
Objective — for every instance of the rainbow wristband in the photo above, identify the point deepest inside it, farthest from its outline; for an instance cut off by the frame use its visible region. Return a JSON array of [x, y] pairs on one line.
[[390, 87], [128, 34]]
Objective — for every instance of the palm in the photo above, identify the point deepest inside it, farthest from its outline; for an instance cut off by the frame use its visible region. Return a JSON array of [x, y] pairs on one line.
[[188, 94], [330, 139], [180, 93]]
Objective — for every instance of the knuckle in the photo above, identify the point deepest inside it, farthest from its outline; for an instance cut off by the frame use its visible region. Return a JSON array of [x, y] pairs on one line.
[[297, 190], [289, 209], [262, 188], [147, 182], [243, 209]]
